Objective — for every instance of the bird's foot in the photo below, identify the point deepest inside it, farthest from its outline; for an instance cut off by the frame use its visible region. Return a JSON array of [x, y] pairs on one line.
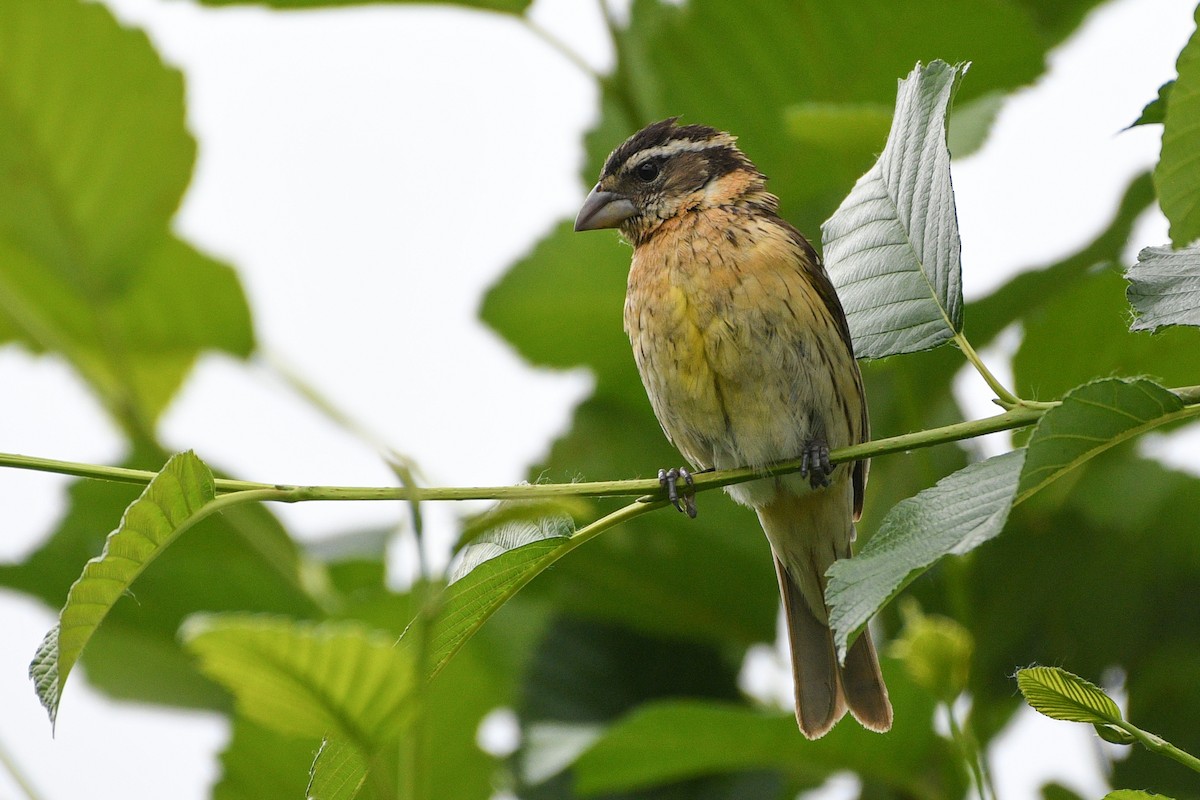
[[668, 479], [815, 464]]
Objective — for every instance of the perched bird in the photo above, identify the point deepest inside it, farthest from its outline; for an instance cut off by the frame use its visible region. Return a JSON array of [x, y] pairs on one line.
[[745, 352]]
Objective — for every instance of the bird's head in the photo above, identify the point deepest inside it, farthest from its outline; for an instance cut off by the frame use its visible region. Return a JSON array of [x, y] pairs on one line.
[[665, 171]]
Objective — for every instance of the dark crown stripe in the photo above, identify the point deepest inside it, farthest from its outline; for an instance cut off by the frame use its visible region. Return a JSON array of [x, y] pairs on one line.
[[659, 134]]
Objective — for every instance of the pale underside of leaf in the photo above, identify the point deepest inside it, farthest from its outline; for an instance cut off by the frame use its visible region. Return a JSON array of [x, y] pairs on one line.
[[959, 513], [1164, 287], [970, 506], [892, 248]]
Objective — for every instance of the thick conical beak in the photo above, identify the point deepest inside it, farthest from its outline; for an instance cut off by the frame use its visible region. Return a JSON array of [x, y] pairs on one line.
[[603, 210]]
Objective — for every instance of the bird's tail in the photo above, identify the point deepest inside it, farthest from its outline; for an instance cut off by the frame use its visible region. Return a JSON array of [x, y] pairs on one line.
[[808, 533]]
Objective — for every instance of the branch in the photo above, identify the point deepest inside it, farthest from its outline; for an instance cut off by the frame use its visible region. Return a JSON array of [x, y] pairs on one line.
[[1014, 418], [646, 489]]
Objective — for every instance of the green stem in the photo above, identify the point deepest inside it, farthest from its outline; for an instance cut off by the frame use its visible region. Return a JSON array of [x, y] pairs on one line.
[[1160, 745], [1014, 418], [413, 746], [1022, 415], [580, 537], [971, 754], [1006, 398]]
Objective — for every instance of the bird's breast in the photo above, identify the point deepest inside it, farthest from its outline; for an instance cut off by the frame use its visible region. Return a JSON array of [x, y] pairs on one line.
[[727, 339]]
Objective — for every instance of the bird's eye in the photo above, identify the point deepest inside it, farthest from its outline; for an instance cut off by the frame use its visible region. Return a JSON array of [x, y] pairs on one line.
[[646, 171]]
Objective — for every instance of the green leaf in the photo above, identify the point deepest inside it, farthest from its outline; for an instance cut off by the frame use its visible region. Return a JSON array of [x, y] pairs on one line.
[[258, 762], [1091, 307], [1177, 176], [972, 121], [961, 512], [338, 679], [92, 167], [339, 772], [831, 125], [1164, 287], [971, 506], [95, 155], [1114, 735], [892, 247], [260, 569], [474, 598], [586, 674], [505, 6], [703, 59], [1155, 112], [1134, 794], [542, 312], [510, 524], [1092, 418], [1061, 695], [178, 497], [671, 740], [1056, 791]]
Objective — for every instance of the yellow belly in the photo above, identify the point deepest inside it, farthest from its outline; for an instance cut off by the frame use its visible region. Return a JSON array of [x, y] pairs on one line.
[[740, 365]]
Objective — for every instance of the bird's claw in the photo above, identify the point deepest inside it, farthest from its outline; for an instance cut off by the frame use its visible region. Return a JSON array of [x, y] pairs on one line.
[[815, 464], [668, 479]]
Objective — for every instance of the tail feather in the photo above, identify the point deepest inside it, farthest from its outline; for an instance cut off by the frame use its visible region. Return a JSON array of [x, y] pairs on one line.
[[808, 533], [862, 682], [820, 702]]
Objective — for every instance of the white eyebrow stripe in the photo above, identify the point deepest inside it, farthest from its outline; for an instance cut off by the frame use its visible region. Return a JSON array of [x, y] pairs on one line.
[[680, 146]]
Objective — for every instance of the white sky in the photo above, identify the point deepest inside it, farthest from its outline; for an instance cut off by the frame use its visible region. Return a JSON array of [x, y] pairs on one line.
[[369, 172]]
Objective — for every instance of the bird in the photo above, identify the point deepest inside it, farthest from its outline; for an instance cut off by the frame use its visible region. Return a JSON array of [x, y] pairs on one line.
[[746, 356]]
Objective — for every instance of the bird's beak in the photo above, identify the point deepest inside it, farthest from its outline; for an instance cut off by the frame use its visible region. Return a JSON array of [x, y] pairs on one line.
[[603, 210]]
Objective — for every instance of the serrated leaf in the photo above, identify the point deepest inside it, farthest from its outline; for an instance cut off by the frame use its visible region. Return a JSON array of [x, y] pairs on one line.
[[960, 512], [513, 523], [1061, 695], [177, 498], [339, 772], [1177, 176], [1164, 287], [971, 506], [336, 679], [472, 599], [1091, 419], [892, 247]]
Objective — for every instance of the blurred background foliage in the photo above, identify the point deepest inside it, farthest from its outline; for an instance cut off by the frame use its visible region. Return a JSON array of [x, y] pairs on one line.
[[636, 641]]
